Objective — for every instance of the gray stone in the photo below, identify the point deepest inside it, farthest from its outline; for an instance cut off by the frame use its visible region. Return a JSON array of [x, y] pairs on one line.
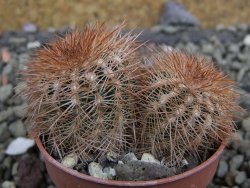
[[5, 114], [129, 157], [240, 177], [234, 48], [4, 132], [20, 110], [111, 173], [246, 183], [17, 129], [20, 87], [5, 92], [207, 48], [95, 170], [229, 179], [222, 169], [7, 162], [246, 124], [8, 184], [176, 14], [246, 40], [14, 169], [7, 70], [236, 162], [140, 170], [2, 154], [17, 40]]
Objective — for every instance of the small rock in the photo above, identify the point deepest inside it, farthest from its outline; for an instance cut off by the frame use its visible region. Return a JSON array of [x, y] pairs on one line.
[[236, 162], [95, 170], [17, 129], [35, 44], [176, 14], [20, 111], [129, 157], [246, 124], [29, 172], [5, 92], [7, 70], [5, 114], [8, 184], [222, 169], [70, 160], [147, 157], [140, 170], [246, 183], [20, 87], [207, 48], [19, 146], [4, 132], [229, 179], [5, 55], [240, 177], [112, 156], [110, 172], [14, 169], [29, 27], [246, 40]]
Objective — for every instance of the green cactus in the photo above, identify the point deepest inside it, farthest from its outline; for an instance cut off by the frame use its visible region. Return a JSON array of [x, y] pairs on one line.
[[187, 106], [80, 92]]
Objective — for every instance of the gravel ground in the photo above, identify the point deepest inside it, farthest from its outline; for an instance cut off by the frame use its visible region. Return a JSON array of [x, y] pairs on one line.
[[229, 48]]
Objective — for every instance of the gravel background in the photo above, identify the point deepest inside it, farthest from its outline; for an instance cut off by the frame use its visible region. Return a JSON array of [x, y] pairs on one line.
[[229, 48]]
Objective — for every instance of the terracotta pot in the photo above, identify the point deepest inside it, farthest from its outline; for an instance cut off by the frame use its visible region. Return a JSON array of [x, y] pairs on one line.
[[198, 177]]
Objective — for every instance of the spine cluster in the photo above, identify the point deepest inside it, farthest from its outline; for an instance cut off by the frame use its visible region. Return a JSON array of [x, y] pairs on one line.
[[89, 94]]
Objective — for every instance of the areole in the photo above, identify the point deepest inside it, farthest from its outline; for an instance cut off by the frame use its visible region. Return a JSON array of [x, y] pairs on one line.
[[198, 177]]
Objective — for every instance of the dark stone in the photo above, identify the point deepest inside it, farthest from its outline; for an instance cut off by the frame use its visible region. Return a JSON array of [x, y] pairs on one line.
[[29, 172], [176, 14], [140, 170]]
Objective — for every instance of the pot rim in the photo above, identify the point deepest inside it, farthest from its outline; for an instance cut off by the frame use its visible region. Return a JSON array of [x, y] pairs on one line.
[[170, 179]]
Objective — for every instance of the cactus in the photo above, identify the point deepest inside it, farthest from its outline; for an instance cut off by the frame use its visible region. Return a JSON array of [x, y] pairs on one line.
[[80, 92], [187, 105]]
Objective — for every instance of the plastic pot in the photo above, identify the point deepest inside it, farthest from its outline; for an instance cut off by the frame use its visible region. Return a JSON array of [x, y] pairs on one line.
[[198, 177]]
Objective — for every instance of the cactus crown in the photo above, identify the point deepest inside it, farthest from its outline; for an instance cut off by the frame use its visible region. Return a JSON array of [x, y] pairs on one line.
[[79, 92], [188, 105]]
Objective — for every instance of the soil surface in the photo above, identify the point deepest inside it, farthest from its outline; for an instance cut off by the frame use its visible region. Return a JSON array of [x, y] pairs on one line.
[[139, 13]]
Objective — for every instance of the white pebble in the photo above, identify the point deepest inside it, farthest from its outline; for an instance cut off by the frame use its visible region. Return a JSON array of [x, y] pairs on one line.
[[70, 160], [147, 157], [35, 44], [246, 40], [95, 170], [19, 146]]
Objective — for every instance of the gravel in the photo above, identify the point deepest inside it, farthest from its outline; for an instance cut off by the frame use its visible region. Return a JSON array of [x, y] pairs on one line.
[[229, 48]]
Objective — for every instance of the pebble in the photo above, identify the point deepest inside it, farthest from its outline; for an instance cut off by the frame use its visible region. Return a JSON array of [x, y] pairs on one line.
[[29, 27], [246, 40], [147, 157], [5, 92], [246, 183], [14, 169], [240, 177], [20, 110], [246, 124], [112, 156], [176, 14], [4, 132], [222, 169], [111, 173], [17, 129], [5, 55], [5, 114], [70, 160], [35, 44], [8, 184], [19, 146], [95, 170], [129, 157], [236, 162]]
